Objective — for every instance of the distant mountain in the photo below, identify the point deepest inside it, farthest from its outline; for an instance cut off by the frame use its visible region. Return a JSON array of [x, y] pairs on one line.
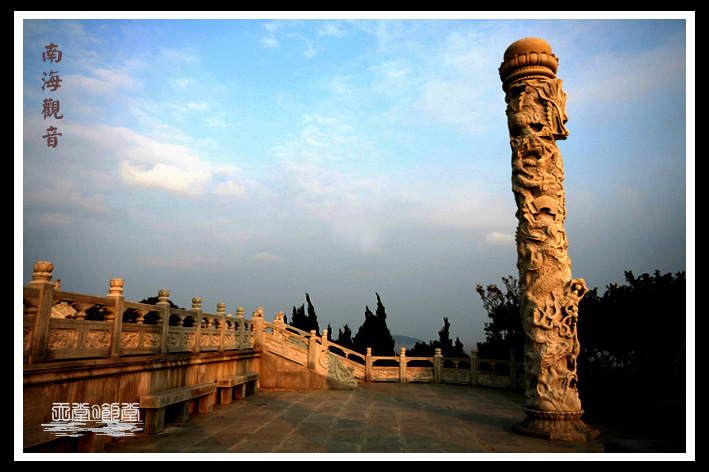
[[406, 342]]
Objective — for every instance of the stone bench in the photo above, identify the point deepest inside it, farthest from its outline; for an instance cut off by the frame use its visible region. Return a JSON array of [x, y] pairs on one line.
[[237, 386], [178, 401]]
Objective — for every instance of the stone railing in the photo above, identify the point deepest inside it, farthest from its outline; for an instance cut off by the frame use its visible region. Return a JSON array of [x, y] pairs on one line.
[[465, 371], [317, 353], [59, 325], [330, 359]]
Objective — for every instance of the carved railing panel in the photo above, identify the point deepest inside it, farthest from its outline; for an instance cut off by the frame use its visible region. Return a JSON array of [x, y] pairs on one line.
[[182, 331], [287, 341], [456, 371], [141, 330], [80, 326], [385, 373]]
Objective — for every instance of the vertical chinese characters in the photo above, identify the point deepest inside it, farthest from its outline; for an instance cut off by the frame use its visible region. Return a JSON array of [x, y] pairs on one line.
[[51, 82]]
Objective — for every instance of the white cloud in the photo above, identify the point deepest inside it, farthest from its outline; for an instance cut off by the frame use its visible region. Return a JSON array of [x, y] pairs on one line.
[[330, 28], [324, 139], [359, 228], [182, 82], [166, 177], [142, 160], [187, 261], [499, 239], [266, 256], [182, 56], [270, 43], [202, 106], [59, 201], [230, 189], [217, 123], [393, 77], [617, 78], [311, 51], [103, 82]]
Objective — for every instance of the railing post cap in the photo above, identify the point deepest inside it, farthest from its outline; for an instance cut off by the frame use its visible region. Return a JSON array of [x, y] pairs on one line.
[[115, 287], [164, 297], [42, 271]]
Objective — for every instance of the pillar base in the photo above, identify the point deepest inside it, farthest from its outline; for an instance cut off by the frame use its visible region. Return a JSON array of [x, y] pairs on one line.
[[555, 426]]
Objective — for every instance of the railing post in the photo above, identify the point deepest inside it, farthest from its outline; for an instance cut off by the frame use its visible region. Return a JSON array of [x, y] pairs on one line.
[[163, 306], [474, 368], [513, 371], [312, 349], [221, 313], [368, 375], [279, 321], [324, 340], [438, 366], [258, 329], [197, 310], [41, 280], [115, 314], [240, 326], [402, 365]]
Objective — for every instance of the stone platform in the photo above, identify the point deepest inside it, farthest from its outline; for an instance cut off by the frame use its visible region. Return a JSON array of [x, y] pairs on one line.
[[375, 418]]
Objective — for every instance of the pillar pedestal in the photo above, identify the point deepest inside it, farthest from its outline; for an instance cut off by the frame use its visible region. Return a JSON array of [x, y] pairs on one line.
[[556, 426]]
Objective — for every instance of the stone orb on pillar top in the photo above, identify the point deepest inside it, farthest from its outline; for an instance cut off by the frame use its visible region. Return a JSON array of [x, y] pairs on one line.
[[527, 58]]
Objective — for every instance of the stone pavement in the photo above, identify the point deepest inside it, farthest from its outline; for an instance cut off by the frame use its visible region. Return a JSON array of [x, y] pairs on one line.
[[376, 418]]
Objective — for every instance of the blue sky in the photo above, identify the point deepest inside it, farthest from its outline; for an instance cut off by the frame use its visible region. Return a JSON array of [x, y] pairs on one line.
[[249, 161]]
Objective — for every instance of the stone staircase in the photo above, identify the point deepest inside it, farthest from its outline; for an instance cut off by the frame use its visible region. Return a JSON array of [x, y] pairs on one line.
[[295, 359]]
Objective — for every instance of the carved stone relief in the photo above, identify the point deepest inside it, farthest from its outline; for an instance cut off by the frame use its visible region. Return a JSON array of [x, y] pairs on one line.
[[129, 339], [96, 339], [62, 338], [151, 339]]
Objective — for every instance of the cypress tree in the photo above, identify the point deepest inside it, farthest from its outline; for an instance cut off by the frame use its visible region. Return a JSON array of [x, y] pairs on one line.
[[374, 333]]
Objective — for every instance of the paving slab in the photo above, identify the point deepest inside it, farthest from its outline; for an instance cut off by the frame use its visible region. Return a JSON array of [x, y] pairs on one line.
[[376, 418]]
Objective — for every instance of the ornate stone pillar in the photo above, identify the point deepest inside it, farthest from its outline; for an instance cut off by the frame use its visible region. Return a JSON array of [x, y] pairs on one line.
[[549, 295]]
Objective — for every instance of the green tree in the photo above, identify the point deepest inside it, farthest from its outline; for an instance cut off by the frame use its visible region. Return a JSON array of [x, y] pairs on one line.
[[298, 318], [640, 322], [344, 337], [329, 332], [312, 317], [444, 343], [374, 333], [503, 333], [130, 316], [155, 300], [632, 353], [306, 322]]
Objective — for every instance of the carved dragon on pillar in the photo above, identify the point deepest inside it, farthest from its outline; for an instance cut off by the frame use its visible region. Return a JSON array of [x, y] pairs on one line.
[[549, 294]]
